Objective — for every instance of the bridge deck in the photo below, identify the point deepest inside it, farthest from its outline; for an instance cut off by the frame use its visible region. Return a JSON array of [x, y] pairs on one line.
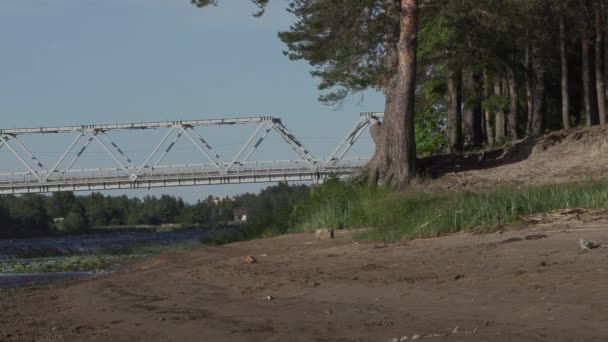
[[88, 180]]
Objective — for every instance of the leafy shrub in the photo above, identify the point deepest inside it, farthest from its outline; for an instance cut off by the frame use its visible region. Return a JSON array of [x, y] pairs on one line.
[[74, 222]]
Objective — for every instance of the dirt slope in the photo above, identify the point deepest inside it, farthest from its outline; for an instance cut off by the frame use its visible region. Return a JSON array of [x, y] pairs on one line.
[[499, 287], [558, 157]]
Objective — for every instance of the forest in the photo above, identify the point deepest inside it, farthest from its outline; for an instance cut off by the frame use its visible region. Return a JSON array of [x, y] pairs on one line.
[[35, 215], [488, 71], [503, 70], [456, 74]]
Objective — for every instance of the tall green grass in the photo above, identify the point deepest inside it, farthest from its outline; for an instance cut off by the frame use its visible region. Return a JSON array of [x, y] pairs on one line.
[[415, 214]]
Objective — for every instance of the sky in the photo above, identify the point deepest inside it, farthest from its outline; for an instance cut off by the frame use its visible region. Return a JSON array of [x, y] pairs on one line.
[[72, 62]]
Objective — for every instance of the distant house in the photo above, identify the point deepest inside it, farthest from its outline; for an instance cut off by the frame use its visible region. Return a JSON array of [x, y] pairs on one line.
[[240, 214]]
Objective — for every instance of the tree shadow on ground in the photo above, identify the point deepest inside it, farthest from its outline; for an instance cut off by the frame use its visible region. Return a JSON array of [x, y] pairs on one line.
[[441, 164]]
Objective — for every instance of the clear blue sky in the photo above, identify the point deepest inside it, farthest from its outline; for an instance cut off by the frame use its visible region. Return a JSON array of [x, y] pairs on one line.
[[91, 61]]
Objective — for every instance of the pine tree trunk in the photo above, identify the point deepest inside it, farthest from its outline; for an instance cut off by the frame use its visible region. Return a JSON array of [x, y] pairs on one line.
[[605, 31], [586, 67], [499, 118], [538, 67], [564, 63], [484, 133], [488, 113], [394, 163], [454, 107], [473, 113], [599, 70], [514, 105], [529, 90]]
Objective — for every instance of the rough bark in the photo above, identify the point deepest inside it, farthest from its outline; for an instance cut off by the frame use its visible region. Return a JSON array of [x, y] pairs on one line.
[[473, 113], [454, 107], [538, 67], [604, 18], [586, 66], [394, 163], [599, 71], [605, 60], [487, 112], [564, 74], [513, 105], [484, 133], [499, 116], [529, 90]]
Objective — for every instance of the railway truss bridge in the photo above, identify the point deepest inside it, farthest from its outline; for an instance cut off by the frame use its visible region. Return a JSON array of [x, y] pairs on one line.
[[152, 173]]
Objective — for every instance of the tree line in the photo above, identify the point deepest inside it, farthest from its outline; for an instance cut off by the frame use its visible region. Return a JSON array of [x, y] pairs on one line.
[[456, 74], [37, 215], [504, 70]]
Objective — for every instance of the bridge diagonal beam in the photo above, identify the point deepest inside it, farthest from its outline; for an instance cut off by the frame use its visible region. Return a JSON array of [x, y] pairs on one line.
[[156, 149], [35, 173], [29, 153], [65, 154], [121, 165], [247, 145], [80, 152], [349, 140], [207, 151], [257, 144], [297, 146], [169, 148], [116, 148], [208, 147]]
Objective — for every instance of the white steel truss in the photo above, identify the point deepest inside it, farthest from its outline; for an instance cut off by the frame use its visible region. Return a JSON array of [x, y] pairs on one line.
[[365, 121], [153, 173]]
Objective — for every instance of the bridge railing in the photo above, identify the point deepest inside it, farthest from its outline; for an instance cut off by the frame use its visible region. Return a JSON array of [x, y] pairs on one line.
[[259, 168]]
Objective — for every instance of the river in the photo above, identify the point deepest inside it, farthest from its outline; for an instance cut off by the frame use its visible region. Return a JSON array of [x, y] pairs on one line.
[[55, 248]]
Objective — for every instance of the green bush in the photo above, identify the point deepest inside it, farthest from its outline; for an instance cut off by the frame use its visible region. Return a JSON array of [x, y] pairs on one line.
[[73, 223], [29, 215]]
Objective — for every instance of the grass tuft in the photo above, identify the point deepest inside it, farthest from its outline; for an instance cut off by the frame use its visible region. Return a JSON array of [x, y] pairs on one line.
[[415, 214]]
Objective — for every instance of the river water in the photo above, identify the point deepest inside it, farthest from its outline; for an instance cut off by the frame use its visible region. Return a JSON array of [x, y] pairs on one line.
[[12, 280], [24, 250]]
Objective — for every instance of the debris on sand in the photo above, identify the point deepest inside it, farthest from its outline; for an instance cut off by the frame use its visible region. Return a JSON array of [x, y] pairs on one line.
[[250, 260], [454, 332], [404, 338], [324, 234], [588, 245], [267, 298], [511, 240], [536, 237]]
